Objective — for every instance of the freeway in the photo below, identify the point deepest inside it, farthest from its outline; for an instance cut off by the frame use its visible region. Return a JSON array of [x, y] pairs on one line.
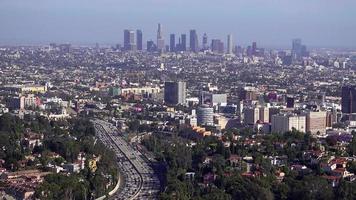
[[139, 179]]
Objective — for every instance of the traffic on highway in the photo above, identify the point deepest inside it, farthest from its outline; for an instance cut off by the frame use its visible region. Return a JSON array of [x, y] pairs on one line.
[[138, 178]]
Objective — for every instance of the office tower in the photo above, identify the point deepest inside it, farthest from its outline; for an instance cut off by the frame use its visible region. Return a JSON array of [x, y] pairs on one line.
[[129, 40], [348, 99], [167, 48], [239, 50], [151, 47], [160, 39], [114, 91], [249, 51], [290, 102], [217, 46], [249, 94], [273, 111], [139, 40], [264, 115], [205, 115], [254, 48], [296, 49], [304, 52], [212, 99], [229, 44], [172, 43], [282, 123], [251, 115], [316, 122], [193, 41], [183, 43], [205, 41], [174, 92]]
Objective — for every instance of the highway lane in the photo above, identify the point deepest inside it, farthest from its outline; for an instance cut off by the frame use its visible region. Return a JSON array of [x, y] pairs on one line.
[[139, 179]]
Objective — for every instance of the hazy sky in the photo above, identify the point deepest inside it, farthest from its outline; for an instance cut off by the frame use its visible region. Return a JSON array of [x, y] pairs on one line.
[[269, 22]]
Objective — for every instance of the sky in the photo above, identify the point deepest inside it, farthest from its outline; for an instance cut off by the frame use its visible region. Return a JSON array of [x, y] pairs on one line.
[[274, 23]]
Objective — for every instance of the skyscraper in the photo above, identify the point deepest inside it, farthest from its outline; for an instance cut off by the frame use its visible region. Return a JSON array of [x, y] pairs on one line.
[[129, 40], [172, 43], [229, 44], [193, 41], [348, 99], [139, 40], [151, 47], [160, 39], [296, 49], [174, 92], [254, 48], [205, 115], [183, 42], [205, 41], [217, 46]]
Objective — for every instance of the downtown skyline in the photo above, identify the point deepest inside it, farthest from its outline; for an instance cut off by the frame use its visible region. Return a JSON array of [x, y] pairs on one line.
[[103, 21]]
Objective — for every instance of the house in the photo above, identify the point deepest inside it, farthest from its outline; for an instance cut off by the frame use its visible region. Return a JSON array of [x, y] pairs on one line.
[[190, 176], [209, 178], [207, 160], [334, 164], [72, 167], [234, 160], [333, 180], [32, 139], [341, 172], [280, 176]]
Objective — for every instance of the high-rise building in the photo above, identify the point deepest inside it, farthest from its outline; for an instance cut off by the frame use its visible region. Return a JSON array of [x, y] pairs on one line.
[[298, 50], [316, 122], [264, 114], [129, 40], [217, 46], [160, 39], [212, 99], [229, 44], [205, 41], [193, 41], [172, 43], [175, 92], [348, 99], [290, 102], [249, 51], [151, 47], [251, 115], [282, 123], [183, 43], [205, 115], [139, 40], [254, 48]]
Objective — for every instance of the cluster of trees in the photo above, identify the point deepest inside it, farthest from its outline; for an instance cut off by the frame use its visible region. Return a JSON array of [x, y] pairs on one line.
[[229, 183], [11, 130], [79, 137], [67, 138]]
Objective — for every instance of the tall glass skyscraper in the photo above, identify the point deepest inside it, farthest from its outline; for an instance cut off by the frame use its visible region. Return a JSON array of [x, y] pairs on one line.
[[175, 92], [129, 40], [193, 41], [172, 43], [139, 40], [348, 99]]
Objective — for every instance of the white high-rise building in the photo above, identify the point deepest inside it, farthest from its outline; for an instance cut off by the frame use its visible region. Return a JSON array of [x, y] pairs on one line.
[[229, 44], [160, 39], [282, 123]]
